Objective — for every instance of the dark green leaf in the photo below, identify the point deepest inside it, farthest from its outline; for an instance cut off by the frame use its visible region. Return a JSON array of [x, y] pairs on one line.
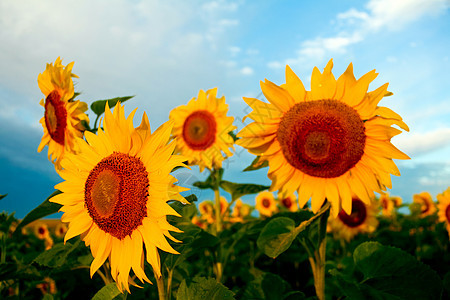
[[256, 165], [212, 182], [74, 96], [270, 286], [233, 135], [202, 288], [241, 189], [391, 273], [56, 256], [277, 236], [107, 292], [46, 208], [98, 107], [446, 282], [3, 196]]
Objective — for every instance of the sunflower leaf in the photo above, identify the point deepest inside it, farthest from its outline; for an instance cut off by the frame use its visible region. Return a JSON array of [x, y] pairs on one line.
[[256, 165], [202, 288], [390, 273], [109, 291], [44, 209], [56, 256], [240, 189], [277, 236], [270, 286], [98, 107], [3, 196], [212, 182]]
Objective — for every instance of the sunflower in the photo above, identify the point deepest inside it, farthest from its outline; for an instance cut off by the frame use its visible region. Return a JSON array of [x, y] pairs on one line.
[[240, 211], [201, 129], [266, 204], [362, 219], [41, 231], [206, 209], [387, 204], [289, 202], [60, 230], [62, 121], [115, 194], [444, 208], [325, 143], [427, 206]]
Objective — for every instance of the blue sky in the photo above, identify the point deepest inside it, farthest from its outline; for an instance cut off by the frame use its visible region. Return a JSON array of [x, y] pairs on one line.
[[165, 51]]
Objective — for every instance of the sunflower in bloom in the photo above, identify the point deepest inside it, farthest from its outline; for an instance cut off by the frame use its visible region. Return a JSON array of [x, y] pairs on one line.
[[60, 230], [41, 231], [62, 121], [325, 143], [289, 202], [115, 194], [201, 129], [444, 208], [240, 211], [266, 204], [206, 209], [427, 206], [362, 219], [387, 205]]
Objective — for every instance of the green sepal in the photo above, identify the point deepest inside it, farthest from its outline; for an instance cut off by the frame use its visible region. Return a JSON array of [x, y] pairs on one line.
[[98, 107], [256, 164]]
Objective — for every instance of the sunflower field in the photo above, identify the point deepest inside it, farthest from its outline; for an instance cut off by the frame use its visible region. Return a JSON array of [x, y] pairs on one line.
[[326, 227]]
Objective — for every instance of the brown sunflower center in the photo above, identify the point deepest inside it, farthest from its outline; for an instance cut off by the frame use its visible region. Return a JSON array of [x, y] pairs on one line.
[[116, 193], [265, 203], [199, 130], [384, 203], [323, 138], [447, 213], [286, 202], [425, 205], [41, 230], [358, 215], [55, 117]]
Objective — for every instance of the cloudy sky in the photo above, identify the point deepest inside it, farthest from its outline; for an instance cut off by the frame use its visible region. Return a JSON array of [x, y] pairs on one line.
[[165, 51]]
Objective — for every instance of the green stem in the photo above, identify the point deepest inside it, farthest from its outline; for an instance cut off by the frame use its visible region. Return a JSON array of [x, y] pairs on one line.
[[169, 283], [160, 284], [319, 277], [217, 211]]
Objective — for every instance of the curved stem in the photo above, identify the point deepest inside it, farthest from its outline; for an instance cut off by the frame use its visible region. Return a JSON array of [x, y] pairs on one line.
[[218, 211]]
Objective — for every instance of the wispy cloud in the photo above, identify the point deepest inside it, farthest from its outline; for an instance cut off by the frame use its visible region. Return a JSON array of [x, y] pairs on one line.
[[416, 144], [354, 26]]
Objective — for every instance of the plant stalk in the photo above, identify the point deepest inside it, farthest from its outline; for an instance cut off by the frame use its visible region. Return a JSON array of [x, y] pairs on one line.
[[161, 290]]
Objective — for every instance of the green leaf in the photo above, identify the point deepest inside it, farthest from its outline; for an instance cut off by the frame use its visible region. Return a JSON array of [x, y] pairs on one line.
[[46, 208], [233, 135], [240, 189], [391, 273], [203, 288], [3, 196], [98, 107], [277, 236], [212, 182], [56, 256], [270, 286], [256, 165], [107, 292]]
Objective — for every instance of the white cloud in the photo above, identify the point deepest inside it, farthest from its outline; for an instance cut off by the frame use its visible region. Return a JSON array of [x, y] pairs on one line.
[[356, 25], [247, 71], [416, 144], [275, 65]]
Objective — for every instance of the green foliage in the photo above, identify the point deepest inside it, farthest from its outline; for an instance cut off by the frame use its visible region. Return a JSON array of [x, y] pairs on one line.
[[56, 256], [388, 273], [256, 164], [3, 196], [202, 288], [108, 292], [46, 208], [270, 286], [98, 107], [241, 189], [212, 182]]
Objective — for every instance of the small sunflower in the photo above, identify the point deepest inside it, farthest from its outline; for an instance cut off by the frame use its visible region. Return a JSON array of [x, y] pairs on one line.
[[115, 194], [201, 129], [62, 121], [289, 202], [266, 204], [60, 230], [362, 219], [444, 208], [206, 209], [427, 205], [41, 231], [240, 211], [387, 205], [325, 143]]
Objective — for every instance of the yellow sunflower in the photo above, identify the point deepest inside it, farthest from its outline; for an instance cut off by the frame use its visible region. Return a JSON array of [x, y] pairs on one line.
[[387, 205], [41, 231], [426, 203], [325, 143], [115, 194], [201, 129], [266, 204], [62, 121], [289, 202], [60, 230], [444, 208], [240, 211], [362, 219], [206, 209]]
